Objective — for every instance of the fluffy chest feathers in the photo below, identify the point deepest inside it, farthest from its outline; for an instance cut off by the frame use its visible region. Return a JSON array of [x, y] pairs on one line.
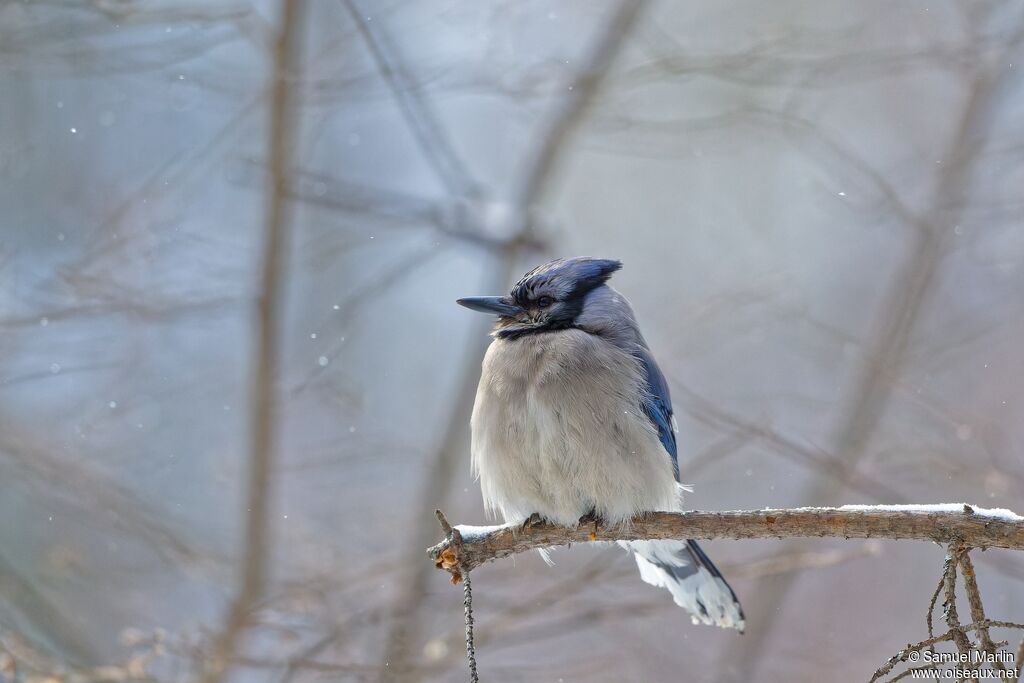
[[559, 429]]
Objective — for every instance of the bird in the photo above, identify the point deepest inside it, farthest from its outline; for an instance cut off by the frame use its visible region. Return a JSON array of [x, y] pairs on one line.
[[573, 421]]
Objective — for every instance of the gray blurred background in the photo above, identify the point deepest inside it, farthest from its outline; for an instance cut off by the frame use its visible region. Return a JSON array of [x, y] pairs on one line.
[[819, 208]]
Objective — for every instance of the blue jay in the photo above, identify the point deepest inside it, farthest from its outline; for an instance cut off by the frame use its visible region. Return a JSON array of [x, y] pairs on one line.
[[573, 418]]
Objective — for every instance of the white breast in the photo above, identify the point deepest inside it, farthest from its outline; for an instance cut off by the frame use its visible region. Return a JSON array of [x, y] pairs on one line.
[[558, 429]]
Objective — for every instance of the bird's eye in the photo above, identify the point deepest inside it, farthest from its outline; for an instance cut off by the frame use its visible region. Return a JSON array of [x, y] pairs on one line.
[[545, 301]]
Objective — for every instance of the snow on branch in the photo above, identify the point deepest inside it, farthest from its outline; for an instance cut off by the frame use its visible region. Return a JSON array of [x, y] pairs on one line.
[[958, 526], [468, 547]]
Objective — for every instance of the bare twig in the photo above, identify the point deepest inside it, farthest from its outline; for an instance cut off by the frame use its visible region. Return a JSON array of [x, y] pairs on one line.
[[930, 617], [552, 141], [581, 91], [828, 464], [454, 539], [467, 603], [479, 545], [415, 109], [21, 660], [435, 488], [977, 608], [906, 296], [956, 555], [905, 654], [799, 562], [266, 359], [963, 644]]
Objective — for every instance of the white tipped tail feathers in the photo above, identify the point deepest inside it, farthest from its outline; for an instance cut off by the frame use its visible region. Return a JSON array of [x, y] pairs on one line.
[[693, 580]]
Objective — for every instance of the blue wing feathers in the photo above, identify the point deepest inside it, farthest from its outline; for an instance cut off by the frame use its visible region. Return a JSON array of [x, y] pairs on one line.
[[658, 405]]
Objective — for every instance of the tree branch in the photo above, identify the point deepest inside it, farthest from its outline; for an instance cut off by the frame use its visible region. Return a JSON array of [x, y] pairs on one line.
[[977, 608], [267, 355], [964, 525]]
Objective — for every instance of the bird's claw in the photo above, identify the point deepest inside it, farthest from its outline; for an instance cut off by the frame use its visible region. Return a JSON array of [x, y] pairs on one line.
[[591, 518], [533, 520]]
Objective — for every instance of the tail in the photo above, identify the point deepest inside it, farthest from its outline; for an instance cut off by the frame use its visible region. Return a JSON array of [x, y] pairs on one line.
[[695, 583]]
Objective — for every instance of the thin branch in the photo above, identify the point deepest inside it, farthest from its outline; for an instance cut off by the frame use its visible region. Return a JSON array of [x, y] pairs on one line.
[[415, 109], [266, 358], [394, 665], [963, 644], [907, 295], [829, 465], [904, 654], [976, 528], [930, 616], [977, 608], [526, 195], [582, 89]]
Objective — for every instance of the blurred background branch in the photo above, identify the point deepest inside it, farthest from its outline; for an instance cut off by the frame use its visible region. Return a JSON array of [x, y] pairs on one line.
[[266, 371]]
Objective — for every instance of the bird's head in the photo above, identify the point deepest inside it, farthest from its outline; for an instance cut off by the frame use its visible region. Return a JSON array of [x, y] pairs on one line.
[[549, 297]]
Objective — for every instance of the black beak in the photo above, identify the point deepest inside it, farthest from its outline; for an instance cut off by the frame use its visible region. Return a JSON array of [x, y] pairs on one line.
[[499, 305]]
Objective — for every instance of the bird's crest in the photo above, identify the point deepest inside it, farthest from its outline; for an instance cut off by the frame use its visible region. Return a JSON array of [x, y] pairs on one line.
[[573, 276]]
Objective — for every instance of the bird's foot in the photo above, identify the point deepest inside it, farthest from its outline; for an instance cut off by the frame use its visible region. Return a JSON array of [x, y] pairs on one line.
[[591, 518], [533, 520]]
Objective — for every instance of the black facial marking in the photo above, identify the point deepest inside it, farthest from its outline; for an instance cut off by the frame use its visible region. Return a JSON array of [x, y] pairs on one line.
[[554, 292]]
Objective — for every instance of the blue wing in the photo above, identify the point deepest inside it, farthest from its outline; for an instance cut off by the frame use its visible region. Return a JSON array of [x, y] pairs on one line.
[[658, 405]]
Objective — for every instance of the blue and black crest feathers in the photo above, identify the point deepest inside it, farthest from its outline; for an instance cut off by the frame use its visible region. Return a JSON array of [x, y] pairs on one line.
[[576, 276]]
